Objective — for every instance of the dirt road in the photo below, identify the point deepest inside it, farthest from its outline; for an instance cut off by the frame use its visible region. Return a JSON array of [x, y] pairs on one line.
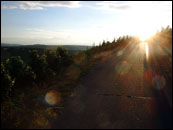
[[121, 92]]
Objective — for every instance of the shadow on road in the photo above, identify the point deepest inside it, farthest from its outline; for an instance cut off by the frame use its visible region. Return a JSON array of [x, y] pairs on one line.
[[155, 78]]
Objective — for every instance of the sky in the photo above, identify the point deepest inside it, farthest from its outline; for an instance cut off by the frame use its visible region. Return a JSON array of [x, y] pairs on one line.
[[81, 22]]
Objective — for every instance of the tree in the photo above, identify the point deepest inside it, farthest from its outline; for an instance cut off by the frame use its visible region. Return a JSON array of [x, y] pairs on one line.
[[28, 76], [108, 42], [39, 65], [15, 65], [104, 43], [52, 60], [7, 83], [63, 56], [19, 71], [113, 41]]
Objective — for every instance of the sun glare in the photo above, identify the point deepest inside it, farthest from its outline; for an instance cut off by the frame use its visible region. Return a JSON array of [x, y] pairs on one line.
[[142, 25], [145, 35], [146, 50]]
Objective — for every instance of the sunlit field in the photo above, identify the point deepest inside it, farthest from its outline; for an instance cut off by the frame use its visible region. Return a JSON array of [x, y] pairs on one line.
[[86, 64]]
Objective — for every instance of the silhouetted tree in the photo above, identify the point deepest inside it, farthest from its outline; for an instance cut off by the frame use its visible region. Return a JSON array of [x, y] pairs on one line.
[[7, 83], [51, 59], [104, 43], [38, 64], [63, 55], [19, 71]]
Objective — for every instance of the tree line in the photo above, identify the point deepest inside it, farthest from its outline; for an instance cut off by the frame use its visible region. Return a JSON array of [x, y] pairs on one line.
[[15, 73]]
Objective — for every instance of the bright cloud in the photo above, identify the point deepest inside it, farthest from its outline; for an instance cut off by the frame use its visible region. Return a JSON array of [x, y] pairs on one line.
[[131, 5], [113, 5], [39, 5]]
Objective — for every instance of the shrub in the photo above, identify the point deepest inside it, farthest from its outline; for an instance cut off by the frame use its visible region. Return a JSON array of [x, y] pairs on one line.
[[6, 83]]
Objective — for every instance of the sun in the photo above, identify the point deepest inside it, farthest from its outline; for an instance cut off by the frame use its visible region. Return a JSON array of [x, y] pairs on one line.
[[144, 22], [145, 34], [143, 30], [146, 31]]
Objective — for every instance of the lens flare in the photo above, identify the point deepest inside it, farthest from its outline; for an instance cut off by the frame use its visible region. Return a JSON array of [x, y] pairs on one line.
[[146, 50], [53, 97], [159, 82], [119, 53], [122, 68]]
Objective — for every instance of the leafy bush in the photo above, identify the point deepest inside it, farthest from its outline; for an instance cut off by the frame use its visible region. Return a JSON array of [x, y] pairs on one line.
[[38, 64], [6, 83], [65, 58], [19, 71]]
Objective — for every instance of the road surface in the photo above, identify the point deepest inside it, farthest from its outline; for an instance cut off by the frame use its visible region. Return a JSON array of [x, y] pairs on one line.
[[123, 91]]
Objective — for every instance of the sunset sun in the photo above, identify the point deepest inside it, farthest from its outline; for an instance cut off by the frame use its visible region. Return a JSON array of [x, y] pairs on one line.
[[144, 36]]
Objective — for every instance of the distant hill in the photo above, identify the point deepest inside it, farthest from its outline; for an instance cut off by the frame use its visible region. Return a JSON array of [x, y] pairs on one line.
[[9, 45], [68, 47]]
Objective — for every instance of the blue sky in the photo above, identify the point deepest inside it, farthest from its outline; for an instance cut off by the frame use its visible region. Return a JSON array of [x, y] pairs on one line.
[[81, 23]]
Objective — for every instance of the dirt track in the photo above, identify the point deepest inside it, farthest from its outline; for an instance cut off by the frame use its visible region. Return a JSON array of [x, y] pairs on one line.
[[120, 92]]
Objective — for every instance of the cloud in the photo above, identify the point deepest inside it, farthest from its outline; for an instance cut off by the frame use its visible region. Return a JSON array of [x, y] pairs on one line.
[[39, 5], [114, 5], [133, 5], [119, 7]]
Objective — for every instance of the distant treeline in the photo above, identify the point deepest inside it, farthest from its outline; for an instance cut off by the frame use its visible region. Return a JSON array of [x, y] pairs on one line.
[[53, 47], [8, 50]]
